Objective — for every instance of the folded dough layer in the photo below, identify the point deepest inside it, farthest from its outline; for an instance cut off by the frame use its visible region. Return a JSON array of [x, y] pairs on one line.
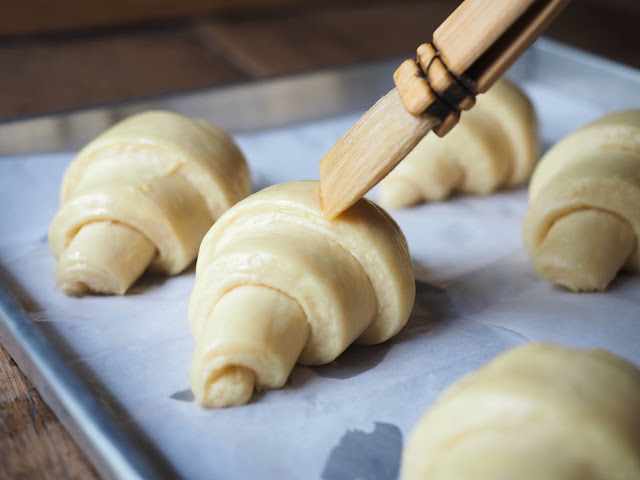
[[495, 144], [595, 169], [366, 231], [165, 177], [536, 411], [617, 131], [351, 278]]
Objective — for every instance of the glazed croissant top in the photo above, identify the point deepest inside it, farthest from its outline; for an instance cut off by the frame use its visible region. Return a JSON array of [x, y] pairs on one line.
[[583, 223], [159, 174], [615, 132], [495, 144], [538, 411], [341, 281]]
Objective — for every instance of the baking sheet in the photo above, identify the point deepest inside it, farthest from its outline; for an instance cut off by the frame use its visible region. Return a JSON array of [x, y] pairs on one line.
[[477, 295]]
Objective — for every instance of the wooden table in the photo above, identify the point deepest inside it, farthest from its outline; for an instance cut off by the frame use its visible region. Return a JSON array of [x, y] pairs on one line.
[[73, 70]]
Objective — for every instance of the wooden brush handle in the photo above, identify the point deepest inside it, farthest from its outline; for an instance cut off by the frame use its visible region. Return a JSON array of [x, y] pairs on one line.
[[470, 51], [490, 66], [473, 27]]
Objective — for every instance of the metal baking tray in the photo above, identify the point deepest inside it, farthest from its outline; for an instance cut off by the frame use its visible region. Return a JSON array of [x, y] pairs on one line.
[[119, 452]]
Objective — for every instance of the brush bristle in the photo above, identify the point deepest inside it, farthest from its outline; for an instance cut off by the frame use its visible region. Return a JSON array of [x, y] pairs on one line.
[[368, 152]]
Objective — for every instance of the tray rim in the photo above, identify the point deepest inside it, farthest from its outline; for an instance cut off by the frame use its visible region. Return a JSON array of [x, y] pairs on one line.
[[112, 453], [110, 450], [276, 101]]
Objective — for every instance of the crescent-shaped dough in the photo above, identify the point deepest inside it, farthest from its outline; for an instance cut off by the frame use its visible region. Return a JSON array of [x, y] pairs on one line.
[[583, 223], [142, 193], [538, 411], [277, 283], [494, 145]]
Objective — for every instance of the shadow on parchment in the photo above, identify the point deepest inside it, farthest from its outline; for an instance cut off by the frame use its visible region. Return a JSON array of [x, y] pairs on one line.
[[430, 310], [183, 395], [359, 455], [149, 281]]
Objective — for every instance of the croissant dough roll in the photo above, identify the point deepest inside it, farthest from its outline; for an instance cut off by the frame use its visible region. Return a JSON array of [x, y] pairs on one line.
[[277, 283], [142, 194], [538, 411], [494, 145], [583, 223]]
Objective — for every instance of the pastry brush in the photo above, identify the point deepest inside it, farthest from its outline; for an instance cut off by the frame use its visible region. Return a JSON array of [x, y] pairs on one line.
[[470, 50]]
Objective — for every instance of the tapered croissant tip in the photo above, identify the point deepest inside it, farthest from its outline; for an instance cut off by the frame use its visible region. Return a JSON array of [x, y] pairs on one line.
[[232, 387]]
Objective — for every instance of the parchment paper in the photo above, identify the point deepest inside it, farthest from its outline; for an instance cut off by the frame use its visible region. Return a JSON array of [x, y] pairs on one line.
[[477, 296]]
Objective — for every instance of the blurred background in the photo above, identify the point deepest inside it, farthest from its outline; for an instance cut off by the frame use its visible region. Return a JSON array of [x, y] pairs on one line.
[[66, 54], [56, 55]]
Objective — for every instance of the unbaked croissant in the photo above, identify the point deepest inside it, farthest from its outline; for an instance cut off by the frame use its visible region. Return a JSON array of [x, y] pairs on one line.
[[142, 194], [277, 283], [538, 411], [494, 145], [583, 223]]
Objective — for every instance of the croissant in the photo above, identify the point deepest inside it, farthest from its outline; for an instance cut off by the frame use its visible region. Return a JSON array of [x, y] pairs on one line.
[[494, 145], [142, 194], [277, 283], [584, 215], [538, 411]]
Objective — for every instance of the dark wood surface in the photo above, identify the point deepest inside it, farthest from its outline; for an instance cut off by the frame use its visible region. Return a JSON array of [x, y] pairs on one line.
[[33, 443], [47, 73], [36, 16], [77, 69]]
